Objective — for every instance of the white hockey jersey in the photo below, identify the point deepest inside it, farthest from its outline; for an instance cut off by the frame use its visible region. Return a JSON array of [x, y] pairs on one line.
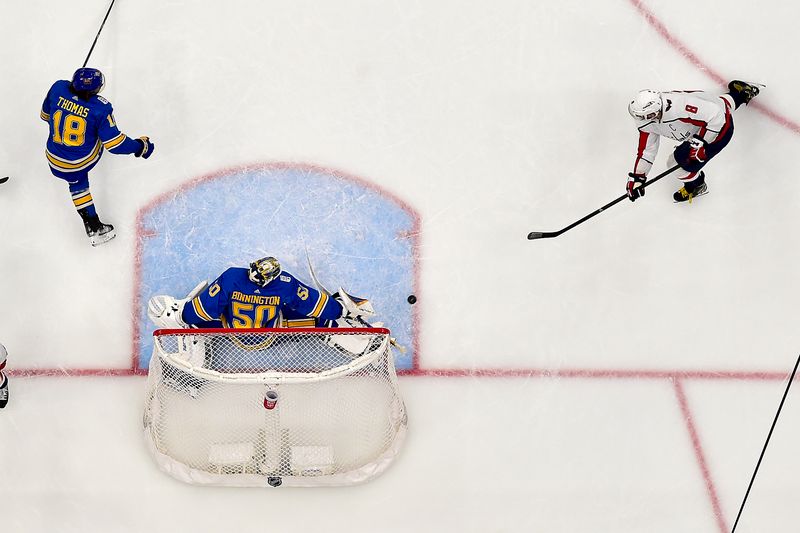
[[685, 114]]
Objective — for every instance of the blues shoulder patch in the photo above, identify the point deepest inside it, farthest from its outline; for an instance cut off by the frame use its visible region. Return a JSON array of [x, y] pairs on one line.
[[287, 279], [102, 100]]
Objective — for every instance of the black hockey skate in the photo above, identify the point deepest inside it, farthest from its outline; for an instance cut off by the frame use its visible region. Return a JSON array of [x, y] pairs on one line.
[[101, 234], [691, 190], [97, 232], [3, 390], [742, 91]]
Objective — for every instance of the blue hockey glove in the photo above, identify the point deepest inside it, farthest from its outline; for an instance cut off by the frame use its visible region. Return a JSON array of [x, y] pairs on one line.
[[146, 148]]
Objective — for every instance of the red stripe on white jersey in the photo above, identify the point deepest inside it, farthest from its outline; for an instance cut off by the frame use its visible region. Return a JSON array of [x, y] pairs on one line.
[[702, 124], [643, 136]]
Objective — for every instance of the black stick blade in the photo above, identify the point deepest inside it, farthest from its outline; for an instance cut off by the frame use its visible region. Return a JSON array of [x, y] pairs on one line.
[[541, 235], [3, 180]]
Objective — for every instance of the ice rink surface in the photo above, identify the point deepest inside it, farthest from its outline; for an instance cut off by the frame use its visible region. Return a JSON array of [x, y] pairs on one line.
[[622, 377]]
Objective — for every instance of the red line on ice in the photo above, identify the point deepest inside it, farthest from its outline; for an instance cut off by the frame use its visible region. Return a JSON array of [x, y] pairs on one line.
[[690, 56], [699, 455]]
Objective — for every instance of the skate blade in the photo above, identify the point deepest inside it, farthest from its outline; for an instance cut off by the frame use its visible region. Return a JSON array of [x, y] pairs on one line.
[[97, 240], [690, 200]]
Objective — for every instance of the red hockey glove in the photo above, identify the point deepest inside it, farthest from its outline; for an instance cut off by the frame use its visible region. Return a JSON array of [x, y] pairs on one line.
[[697, 149]]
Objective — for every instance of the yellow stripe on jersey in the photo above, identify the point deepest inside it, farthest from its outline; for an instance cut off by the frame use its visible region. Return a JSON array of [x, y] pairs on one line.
[[44, 116], [198, 309], [299, 323], [116, 141], [78, 164], [323, 299], [83, 200]]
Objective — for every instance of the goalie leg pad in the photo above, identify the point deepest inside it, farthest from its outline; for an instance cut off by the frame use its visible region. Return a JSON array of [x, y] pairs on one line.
[[352, 344]]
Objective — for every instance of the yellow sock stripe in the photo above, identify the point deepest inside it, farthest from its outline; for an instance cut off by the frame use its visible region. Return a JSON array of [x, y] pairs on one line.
[[198, 308], [116, 141], [83, 201], [323, 299]]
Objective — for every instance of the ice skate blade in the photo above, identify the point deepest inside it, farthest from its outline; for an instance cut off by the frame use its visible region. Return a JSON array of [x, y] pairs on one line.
[[98, 240], [694, 197]]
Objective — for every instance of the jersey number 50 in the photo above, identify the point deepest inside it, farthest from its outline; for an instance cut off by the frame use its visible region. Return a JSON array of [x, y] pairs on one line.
[[74, 129], [243, 316]]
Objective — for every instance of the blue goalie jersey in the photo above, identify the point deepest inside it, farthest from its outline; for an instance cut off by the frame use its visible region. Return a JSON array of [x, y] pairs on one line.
[[80, 130], [239, 303]]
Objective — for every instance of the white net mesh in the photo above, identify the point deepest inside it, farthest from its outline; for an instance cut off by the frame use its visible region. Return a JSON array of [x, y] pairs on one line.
[[273, 407]]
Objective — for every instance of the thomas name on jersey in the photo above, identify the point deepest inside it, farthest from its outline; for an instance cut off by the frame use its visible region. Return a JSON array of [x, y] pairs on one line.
[[72, 107]]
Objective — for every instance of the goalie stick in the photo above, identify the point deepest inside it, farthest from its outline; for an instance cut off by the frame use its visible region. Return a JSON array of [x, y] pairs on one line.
[[320, 287], [549, 234]]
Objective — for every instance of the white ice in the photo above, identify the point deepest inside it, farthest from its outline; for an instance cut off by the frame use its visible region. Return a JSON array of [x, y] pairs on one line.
[[622, 377]]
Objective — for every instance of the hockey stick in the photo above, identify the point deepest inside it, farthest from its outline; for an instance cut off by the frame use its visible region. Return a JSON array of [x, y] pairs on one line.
[[3, 180], [549, 234], [314, 278], [764, 449], [321, 288], [98, 32]]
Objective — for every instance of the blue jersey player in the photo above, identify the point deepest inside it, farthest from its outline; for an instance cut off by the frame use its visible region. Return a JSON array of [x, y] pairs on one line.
[[82, 125], [254, 297]]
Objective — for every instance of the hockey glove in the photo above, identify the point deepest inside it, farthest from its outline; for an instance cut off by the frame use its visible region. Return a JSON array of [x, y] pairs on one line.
[[165, 312], [691, 153], [352, 306], [635, 186], [146, 148]]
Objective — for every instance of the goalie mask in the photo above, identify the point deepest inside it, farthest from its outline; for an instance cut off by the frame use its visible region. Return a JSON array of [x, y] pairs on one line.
[[264, 270]]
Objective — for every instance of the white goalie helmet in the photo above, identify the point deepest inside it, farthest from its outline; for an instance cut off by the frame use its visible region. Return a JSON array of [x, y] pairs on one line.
[[646, 105]]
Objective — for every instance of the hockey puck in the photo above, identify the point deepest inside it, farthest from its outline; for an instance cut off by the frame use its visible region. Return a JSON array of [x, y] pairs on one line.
[[412, 299]]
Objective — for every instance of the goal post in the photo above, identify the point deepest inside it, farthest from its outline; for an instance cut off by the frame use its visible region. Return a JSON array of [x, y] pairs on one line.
[[272, 407]]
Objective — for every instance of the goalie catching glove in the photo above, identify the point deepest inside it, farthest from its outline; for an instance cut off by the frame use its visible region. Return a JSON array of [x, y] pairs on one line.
[[354, 310]]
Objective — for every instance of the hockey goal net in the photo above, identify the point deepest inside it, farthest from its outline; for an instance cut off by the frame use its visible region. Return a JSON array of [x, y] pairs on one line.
[[274, 407]]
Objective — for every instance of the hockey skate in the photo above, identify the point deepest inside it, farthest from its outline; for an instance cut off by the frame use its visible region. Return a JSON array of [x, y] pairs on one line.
[[3, 390], [99, 233], [691, 190], [745, 91]]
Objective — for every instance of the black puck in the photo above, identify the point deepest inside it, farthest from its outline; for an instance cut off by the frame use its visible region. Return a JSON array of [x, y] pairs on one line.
[[412, 299]]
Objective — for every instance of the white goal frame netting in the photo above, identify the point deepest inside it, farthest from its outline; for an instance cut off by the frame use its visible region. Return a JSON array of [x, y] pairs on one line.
[[273, 407]]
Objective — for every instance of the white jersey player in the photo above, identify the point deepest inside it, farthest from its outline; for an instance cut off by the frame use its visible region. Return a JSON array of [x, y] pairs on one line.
[[701, 122], [3, 377]]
